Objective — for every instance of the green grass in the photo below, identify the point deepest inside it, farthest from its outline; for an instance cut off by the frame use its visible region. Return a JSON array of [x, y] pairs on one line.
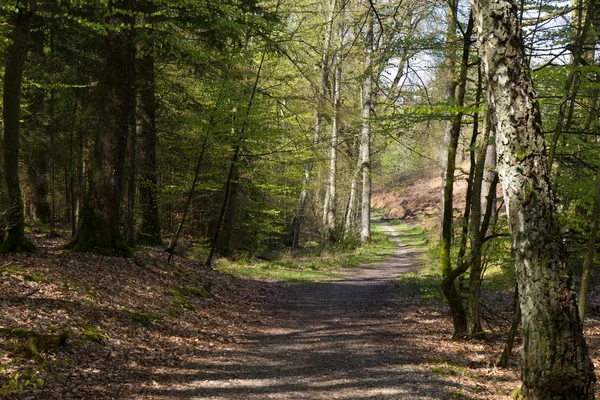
[[425, 282], [145, 319], [312, 267], [411, 235]]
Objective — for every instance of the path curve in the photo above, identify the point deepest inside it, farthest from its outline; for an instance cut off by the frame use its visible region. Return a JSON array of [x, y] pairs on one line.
[[342, 339]]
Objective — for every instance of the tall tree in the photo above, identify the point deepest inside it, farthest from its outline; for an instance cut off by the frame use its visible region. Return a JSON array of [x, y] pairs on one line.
[[459, 316], [321, 98], [365, 141], [100, 228], [450, 98], [555, 358], [330, 212], [149, 229], [15, 239]]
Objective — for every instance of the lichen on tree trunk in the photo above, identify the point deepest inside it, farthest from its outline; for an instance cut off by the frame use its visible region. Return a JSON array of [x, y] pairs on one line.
[[555, 358]]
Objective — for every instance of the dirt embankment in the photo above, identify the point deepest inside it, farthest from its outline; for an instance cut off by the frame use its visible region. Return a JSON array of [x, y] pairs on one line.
[[415, 197]]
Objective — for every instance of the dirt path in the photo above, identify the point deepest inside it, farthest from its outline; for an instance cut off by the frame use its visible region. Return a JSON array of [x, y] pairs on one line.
[[346, 339]]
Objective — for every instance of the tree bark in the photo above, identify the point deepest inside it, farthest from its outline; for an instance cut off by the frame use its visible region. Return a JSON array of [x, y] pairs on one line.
[[588, 263], [555, 358], [350, 217], [149, 229], [15, 240], [475, 277], [365, 142], [330, 229], [450, 98], [131, 180], [457, 309], [230, 217], [100, 219]]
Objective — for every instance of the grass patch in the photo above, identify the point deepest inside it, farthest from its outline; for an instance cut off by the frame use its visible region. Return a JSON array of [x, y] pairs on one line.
[[425, 282], [145, 319], [93, 333], [314, 265], [181, 298], [411, 235], [180, 303], [453, 369], [16, 271], [11, 270]]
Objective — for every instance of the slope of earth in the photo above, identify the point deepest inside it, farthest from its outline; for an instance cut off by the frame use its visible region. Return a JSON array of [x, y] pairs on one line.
[[415, 197]]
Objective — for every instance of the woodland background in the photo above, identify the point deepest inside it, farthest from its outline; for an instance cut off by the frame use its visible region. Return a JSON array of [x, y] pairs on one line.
[[256, 130]]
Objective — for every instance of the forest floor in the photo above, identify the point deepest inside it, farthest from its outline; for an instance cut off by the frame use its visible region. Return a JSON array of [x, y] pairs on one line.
[[356, 337], [143, 329]]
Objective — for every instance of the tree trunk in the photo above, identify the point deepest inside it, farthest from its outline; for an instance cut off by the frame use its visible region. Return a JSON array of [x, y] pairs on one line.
[[330, 231], [321, 96], [591, 251], [131, 183], [365, 142], [149, 229], [476, 275], [555, 358], [229, 219], [227, 192], [450, 98], [350, 217], [15, 239], [100, 219], [489, 173], [449, 287], [512, 332]]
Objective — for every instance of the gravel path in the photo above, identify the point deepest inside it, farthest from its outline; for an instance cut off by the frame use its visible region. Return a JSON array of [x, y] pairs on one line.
[[346, 339]]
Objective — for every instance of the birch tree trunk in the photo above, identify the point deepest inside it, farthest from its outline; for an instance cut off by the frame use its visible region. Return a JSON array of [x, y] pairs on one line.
[[15, 239], [330, 212], [365, 143], [555, 364]]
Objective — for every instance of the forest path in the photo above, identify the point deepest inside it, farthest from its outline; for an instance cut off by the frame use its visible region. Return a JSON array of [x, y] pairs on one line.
[[344, 339]]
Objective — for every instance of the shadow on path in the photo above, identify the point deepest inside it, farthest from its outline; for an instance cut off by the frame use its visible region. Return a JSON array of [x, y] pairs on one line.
[[337, 340]]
